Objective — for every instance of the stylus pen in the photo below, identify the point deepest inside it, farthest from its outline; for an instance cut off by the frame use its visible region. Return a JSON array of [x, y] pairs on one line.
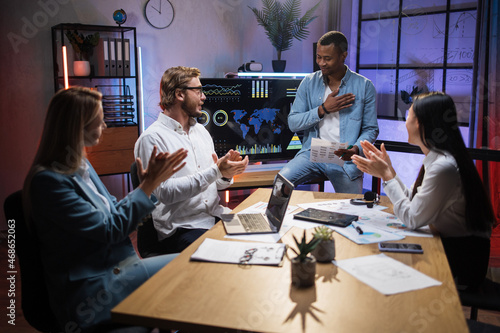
[[358, 229], [350, 146]]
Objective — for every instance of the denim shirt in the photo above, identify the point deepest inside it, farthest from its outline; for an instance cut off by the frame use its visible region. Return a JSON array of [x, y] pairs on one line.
[[357, 123]]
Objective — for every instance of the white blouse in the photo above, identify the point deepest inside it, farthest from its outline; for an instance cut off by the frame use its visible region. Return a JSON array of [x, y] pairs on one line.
[[440, 200]]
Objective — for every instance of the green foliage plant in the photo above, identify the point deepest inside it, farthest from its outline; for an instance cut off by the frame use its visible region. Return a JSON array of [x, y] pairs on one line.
[[282, 22], [323, 233], [305, 248], [82, 45]]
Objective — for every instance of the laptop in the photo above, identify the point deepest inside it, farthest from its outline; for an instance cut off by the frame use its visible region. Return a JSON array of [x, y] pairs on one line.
[[260, 223]]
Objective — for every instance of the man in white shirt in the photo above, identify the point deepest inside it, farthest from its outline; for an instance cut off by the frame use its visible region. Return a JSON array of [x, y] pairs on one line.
[[188, 201]]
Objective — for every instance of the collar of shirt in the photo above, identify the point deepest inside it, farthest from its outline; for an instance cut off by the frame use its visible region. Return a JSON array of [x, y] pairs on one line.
[[347, 76], [83, 170], [345, 79], [432, 156], [174, 124]]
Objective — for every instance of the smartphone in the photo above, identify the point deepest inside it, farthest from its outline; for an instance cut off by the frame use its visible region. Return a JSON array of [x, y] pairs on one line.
[[326, 217], [400, 247]]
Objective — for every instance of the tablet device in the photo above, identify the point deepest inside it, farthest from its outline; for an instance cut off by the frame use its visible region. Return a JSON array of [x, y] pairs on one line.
[[326, 217]]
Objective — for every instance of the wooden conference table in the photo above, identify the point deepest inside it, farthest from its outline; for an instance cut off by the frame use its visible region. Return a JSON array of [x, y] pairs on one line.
[[263, 176], [212, 297]]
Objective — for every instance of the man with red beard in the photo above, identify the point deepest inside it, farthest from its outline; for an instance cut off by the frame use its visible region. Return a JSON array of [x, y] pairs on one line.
[[188, 204]]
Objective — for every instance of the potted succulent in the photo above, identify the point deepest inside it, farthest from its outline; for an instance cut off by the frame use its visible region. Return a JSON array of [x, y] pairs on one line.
[[283, 23], [304, 265], [83, 47], [325, 251]]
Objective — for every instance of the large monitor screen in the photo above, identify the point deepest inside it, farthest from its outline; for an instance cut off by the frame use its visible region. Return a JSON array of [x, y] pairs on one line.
[[250, 116]]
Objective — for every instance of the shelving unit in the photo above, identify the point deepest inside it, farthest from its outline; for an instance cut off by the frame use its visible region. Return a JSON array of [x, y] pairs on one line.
[[119, 86]]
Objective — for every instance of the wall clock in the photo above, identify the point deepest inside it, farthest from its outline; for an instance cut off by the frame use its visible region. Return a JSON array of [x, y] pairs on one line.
[[159, 13]]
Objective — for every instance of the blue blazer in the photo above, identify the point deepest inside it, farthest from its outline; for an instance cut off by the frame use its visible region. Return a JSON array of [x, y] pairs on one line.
[[90, 264]]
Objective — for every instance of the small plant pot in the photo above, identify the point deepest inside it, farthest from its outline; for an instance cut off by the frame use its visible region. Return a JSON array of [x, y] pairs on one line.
[[279, 66], [303, 273], [81, 68], [325, 251]]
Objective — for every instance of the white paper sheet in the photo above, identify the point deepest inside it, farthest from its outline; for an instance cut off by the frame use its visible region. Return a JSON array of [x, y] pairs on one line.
[[374, 217], [322, 151], [370, 234], [341, 206], [240, 252], [386, 275], [391, 223]]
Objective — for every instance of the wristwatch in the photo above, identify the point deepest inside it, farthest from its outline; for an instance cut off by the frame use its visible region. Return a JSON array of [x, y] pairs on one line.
[[226, 179]]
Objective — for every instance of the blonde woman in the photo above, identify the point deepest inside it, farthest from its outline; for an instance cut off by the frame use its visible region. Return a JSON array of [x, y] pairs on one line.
[[89, 262]]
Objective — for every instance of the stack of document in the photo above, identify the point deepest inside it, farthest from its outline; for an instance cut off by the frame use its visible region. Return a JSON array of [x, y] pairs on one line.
[[373, 221], [323, 151], [240, 252]]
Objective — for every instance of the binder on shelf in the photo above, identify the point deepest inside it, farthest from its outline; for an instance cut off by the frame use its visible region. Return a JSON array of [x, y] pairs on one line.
[[98, 59], [119, 56], [105, 46], [112, 57], [126, 60]]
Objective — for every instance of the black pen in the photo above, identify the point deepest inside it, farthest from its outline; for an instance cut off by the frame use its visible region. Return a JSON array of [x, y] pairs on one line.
[[358, 229]]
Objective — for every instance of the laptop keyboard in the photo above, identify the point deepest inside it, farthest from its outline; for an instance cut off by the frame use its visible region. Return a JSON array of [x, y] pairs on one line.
[[254, 222]]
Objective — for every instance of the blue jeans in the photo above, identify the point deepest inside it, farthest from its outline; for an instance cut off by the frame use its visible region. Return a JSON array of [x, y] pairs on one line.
[[154, 264], [300, 170]]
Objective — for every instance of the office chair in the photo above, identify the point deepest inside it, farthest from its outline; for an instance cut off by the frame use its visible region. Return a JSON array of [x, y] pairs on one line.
[[486, 297], [477, 327], [468, 258], [34, 294], [147, 237]]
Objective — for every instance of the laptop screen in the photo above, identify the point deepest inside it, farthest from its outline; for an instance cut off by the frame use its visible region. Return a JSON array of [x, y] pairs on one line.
[[278, 203]]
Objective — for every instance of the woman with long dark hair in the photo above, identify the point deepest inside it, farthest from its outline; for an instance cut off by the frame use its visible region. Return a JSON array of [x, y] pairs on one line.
[[83, 232], [448, 193]]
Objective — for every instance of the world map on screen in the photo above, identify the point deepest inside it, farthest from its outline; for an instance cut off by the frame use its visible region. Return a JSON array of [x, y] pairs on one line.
[[256, 119]]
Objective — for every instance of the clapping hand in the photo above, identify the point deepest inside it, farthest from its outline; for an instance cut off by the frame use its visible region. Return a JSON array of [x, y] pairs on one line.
[[231, 164], [161, 166], [377, 162]]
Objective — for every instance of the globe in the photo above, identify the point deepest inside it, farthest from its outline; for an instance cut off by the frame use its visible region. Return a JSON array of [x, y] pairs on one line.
[[120, 16]]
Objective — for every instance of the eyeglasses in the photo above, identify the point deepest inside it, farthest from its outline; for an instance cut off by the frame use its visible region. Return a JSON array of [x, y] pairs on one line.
[[199, 89], [247, 256]]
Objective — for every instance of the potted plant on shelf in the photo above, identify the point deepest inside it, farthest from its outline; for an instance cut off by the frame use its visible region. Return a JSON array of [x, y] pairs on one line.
[[83, 47], [304, 265], [325, 251], [283, 23]]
